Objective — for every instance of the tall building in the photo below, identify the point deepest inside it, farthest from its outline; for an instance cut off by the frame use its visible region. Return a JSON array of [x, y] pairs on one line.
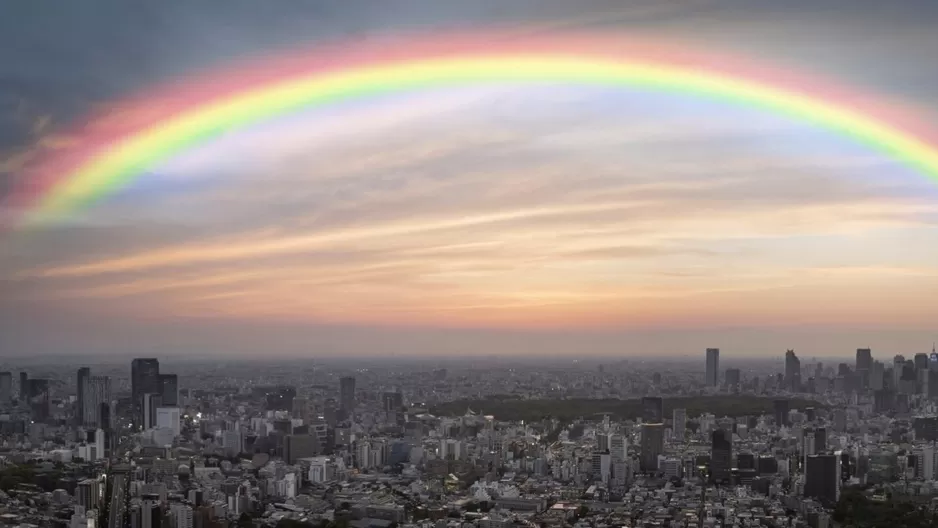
[[820, 440], [347, 394], [97, 392], [6, 387], [732, 378], [822, 477], [37, 392], [792, 371], [169, 389], [864, 359], [151, 402], [713, 367], [392, 401], [280, 398], [144, 379], [652, 410], [781, 412], [921, 361], [88, 494], [24, 378], [898, 363], [877, 375], [81, 389], [721, 456], [679, 417], [296, 447], [652, 446]]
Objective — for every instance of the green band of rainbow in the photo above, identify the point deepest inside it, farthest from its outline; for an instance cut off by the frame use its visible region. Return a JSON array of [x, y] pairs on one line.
[[120, 161]]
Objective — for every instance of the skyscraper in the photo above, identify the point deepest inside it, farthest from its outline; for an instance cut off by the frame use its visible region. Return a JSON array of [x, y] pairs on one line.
[[169, 390], [6, 387], [24, 378], [732, 378], [713, 367], [781, 412], [680, 423], [37, 391], [822, 477], [652, 446], [792, 371], [97, 392], [877, 374], [652, 410], [81, 388], [347, 394], [721, 456], [144, 379], [864, 359]]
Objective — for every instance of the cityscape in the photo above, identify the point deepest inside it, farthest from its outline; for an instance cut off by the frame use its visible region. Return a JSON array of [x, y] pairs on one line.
[[469, 264], [487, 442]]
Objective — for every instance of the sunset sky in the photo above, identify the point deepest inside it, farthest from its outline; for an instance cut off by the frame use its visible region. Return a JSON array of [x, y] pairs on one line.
[[504, 219]]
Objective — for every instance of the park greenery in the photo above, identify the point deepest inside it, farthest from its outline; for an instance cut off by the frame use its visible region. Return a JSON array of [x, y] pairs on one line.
[[508, 408], [857, 509]]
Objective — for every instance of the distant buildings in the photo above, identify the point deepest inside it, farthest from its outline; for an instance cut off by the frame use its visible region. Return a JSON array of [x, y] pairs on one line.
[[713, 367], [6, 387], [347, 395]]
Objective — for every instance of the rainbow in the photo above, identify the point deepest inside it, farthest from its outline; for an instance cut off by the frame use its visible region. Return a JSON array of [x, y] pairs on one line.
[[112, 149]]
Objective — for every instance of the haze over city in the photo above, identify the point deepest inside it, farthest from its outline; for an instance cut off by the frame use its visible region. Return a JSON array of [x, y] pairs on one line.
[[500, 219]]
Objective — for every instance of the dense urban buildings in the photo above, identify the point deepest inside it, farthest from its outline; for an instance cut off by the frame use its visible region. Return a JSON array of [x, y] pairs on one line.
[[612, 443]]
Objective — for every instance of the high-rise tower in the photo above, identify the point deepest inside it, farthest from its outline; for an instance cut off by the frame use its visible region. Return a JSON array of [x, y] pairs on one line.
[[713, 367], [144, 379]]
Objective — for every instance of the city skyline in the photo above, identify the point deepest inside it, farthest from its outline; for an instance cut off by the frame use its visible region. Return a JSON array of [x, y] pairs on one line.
[[546, 220]]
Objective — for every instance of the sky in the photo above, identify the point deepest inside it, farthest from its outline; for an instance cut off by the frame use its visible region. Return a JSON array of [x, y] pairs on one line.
[[513, 220]]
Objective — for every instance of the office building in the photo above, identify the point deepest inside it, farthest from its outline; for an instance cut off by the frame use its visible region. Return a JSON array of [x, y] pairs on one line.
[[392, 401], [169, 390], [88, 494], [24, 381], [822, 477], [782, 407], [652, 446], [679, 417], [820, 440], [6, 387], [169, 417], [864, 359], [151, 402], [347, 395], [652, 410], [732, 378], [144, 379], [280, 398], [37, 393], [296, 447], [877, 376], [792, 371], [81, 389], [713, 367], [97, 391], [721, 456]]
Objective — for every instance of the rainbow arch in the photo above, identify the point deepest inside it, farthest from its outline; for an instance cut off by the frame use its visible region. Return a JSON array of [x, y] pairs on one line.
[[112, 149]]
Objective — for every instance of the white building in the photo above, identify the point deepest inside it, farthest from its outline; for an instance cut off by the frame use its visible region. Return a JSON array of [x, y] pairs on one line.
[[168, 417]]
